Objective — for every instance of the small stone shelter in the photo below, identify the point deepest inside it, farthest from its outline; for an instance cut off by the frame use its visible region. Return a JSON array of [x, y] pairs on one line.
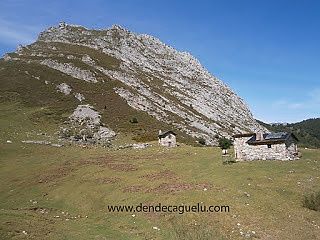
[[265, 146], [167, 139]]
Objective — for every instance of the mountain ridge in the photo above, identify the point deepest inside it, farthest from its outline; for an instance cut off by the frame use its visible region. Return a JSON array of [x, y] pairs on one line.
[[149, 76]]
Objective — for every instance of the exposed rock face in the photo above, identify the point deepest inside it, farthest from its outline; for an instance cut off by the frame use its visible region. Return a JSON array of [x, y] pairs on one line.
[[85, 126], [6, 57], [85, 114], [71, 70], [171, 86], [79, 96], [64, 88]]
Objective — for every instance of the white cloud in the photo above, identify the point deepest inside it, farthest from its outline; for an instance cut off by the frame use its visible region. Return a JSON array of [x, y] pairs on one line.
[[312, 101], [315, 95], [296, 105], [15, 33]]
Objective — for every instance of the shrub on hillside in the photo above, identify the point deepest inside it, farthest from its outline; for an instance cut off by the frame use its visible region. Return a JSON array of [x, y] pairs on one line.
[[312, 201], [202, 141], [134, 120]]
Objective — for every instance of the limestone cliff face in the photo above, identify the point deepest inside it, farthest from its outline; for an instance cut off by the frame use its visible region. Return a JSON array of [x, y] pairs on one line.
[[171, 86]]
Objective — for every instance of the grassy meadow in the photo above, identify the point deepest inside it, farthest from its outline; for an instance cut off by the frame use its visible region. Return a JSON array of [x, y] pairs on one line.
[[63, 193]]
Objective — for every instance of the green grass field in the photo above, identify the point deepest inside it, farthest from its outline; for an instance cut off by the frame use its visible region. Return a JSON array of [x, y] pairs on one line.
[[63, 193], [48, 192]]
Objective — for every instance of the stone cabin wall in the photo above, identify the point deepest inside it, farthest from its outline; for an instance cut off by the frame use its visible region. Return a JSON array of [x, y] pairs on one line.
[[281, 151], [168, 141]]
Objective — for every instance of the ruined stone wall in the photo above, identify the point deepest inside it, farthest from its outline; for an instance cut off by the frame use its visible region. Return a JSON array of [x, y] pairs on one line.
[[292, 149], [246, 152]]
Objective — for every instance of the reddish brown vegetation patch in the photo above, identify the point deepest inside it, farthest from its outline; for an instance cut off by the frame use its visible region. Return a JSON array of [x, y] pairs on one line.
[[134, 188], [110, 163], [102, 180], [202, 186], [122, 167], [178, 187], [65, 169], [55, 174], [101, 161], [107, 180]]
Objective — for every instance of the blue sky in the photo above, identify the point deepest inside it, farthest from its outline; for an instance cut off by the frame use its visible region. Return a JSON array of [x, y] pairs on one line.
[[268, 52]]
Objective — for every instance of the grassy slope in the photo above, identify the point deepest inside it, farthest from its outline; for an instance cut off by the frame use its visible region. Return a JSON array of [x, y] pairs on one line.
[[84, 181], [18, 87]]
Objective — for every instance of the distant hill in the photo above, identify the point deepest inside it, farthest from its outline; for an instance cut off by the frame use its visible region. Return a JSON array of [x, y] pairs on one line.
[[307, 131]]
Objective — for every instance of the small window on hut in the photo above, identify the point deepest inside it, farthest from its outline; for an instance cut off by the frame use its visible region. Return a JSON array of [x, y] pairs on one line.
[[269, 145]]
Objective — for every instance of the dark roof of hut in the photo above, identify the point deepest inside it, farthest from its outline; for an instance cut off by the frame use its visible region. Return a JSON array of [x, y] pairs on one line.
[[164, 134], [272, 138]]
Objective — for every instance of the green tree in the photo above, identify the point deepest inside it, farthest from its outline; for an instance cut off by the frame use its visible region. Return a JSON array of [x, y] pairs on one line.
[[225, 143]]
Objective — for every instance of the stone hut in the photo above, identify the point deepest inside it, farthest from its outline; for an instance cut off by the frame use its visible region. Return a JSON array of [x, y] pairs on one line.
[[265, 146], [167, 139]]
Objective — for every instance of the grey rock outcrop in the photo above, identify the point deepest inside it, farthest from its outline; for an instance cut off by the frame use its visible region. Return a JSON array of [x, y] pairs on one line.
[[85, 126], [169, 85]]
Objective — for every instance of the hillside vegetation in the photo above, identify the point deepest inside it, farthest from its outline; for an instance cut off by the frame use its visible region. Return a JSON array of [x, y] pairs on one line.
[[307, 131]]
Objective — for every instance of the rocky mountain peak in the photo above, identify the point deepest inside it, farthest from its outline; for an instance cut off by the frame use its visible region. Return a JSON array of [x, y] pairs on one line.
[[171, 86], [119, 28]]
